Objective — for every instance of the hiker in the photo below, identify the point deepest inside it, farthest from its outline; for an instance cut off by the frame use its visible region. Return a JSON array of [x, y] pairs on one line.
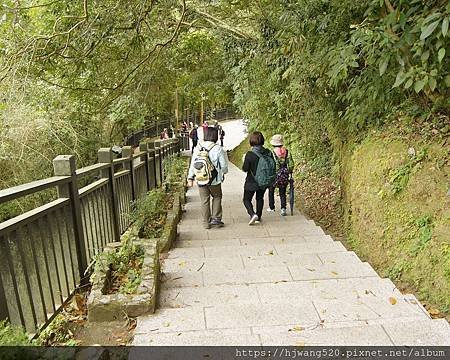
[[194, 137], [208, 166], [221, 135], [259, 165], [221, 132], [284, 169], [164, 134], [184, 127]]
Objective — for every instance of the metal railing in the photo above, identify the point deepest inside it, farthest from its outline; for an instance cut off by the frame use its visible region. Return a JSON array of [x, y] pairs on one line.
[[154, 130], [45, 253]]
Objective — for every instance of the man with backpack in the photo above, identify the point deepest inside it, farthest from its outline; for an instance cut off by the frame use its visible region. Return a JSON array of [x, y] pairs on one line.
[[259, 165], [208, 167], [284, 169]]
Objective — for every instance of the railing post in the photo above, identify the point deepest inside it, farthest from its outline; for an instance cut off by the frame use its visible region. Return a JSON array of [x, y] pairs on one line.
[[155, 146], [105, 155], [160, 165], [4, 313], [143, 146], [64, 165], [127, 152]]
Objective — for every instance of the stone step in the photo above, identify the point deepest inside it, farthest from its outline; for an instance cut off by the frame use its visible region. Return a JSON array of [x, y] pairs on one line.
[[407, 332], [254, 241], [278, 249], [266, 274], [352, 269], [334, 289], [400, 332], [331, 262], [208, 296], [261, 249], [281, 292], [191, 338]]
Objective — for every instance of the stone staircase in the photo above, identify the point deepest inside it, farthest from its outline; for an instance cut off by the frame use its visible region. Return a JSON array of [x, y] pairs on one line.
[[282, 282]]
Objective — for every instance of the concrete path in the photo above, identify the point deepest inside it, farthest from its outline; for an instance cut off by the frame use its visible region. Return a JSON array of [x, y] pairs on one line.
[[283, 282]]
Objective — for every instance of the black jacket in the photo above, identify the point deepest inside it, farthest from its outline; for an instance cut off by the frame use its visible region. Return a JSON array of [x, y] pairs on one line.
[[250, 165]]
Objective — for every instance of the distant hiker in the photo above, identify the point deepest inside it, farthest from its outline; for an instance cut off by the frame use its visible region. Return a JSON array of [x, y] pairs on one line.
[[208, 167], [164, 134], [170, 132], [259, 165], [284, 169], [184, 127], [221, 132], [194, 137], [221, 135]]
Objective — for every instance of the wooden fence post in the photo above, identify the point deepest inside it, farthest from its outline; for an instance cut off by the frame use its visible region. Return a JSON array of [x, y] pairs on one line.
[[155, 147], [105, 155], [4, 313], [127, 152], [64, 165], [143, 146], [160, 166]]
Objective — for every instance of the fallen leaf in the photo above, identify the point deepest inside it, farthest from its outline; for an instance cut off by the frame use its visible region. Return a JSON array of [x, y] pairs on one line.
[[334, 273], [297, 328], [434, 311], [300, 344], [393, 300], [270, 252], [310, 269], [167, 324]]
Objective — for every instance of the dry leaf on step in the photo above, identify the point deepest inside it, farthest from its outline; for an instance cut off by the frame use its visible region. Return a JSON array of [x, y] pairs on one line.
[[393, 300], [297, 328], [434, 311]]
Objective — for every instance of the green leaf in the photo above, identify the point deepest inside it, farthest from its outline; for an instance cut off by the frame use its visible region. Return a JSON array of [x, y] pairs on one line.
[[445, 26], [401, 77], [425, 56], [428, 30], [418, 86], [441, 54], [432, 83], [383, 65], [409, 83]]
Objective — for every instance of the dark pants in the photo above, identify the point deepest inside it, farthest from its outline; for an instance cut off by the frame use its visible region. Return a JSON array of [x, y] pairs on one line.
[[248, 197], [194, 144], [282, 191], [221, 142]]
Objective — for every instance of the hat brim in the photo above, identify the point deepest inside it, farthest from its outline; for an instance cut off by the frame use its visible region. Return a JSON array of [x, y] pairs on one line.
[[276, 143]]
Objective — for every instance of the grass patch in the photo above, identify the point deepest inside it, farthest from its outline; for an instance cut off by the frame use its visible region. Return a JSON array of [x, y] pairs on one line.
[[236, 156], [398, 212], [11, 335], [126, 269]]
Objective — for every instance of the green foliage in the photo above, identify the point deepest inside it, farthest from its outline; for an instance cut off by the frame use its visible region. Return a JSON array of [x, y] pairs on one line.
[[150, 213], [57, 333], [126, 264], [11, 335], [424, 233], [400, 177], [175, 170]]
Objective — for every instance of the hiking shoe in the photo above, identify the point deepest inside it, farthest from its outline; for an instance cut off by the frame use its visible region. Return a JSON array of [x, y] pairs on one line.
[[270, 210], [283, 212], [253, 219], [216, 222]]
